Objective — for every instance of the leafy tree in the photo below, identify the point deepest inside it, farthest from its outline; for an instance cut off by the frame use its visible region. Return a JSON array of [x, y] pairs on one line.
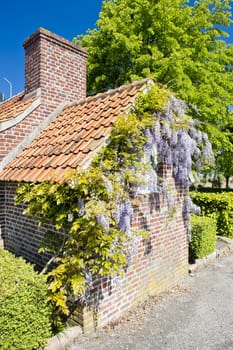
[[176, 42], [224, 158]]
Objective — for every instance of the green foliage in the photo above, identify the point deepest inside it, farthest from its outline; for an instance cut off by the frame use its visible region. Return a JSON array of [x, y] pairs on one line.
[[86, 246], [213, 189], [220, 205], [179, 44], [224, 157], [25, 322], [203, 236]]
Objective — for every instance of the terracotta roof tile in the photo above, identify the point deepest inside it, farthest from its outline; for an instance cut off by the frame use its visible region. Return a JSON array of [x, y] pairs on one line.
[[73, 137], [11, 108]]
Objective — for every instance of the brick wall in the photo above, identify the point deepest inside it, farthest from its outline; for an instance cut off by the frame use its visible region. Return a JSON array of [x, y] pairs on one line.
[[13, 136], [22, 236], [158, 262], [2, 212]]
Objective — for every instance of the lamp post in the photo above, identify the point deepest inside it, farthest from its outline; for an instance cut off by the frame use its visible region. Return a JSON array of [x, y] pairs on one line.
[[9, 85]]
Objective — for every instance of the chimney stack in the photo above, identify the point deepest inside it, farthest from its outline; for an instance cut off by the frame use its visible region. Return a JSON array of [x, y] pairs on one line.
[[56, 66]]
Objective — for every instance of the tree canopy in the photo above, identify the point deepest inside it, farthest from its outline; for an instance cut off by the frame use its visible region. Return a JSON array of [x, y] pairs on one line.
[[224, 156], [176, 42]]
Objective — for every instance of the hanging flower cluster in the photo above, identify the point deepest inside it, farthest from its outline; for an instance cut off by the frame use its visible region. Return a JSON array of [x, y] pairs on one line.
[[178, 141]]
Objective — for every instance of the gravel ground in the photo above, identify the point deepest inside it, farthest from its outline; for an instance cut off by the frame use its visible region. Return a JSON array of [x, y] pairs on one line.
[[196, 315]]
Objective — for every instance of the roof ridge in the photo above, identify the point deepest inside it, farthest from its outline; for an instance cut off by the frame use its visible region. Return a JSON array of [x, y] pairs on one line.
[[12, 97], [110, 92]]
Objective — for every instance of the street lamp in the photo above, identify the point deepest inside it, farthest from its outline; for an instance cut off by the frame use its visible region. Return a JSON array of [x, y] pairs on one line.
[[9, 85]]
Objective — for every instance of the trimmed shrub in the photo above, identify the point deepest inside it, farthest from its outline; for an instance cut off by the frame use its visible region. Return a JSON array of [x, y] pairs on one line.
[[212, 189], [25, 317], [220, 205], [203, 236]]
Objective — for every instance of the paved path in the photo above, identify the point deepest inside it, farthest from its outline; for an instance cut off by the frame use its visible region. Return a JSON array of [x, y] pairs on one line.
[[197, 315]]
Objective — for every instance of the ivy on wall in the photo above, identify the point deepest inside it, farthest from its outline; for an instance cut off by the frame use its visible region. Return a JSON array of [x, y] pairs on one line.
[[93, 208]]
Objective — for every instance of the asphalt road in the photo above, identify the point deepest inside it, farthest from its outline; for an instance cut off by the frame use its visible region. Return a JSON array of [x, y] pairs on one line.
[[196, 315]]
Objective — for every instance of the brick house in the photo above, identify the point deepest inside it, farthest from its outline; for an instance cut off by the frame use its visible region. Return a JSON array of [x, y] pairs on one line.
[[52, 127]]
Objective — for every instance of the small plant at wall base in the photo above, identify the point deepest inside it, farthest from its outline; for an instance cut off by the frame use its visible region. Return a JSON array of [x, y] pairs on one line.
[[220, 205], [93, 209], [203, 236], [25, 317]]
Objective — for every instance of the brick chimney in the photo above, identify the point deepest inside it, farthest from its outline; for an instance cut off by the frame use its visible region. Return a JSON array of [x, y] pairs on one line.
[[56, 66]]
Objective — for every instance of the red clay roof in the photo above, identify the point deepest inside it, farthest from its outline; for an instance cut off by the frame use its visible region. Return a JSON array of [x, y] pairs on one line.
[[11, 108], [71, 139]]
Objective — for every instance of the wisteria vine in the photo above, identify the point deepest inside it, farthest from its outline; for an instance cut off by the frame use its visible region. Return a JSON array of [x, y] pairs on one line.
[[95, 206]]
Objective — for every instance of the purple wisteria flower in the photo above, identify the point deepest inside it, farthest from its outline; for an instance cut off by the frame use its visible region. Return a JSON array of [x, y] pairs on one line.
[[103, 221], [125, 217]]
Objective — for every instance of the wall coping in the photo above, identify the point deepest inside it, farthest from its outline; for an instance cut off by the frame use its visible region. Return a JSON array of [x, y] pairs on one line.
[[49, 36], [7, 124], [29, 138]]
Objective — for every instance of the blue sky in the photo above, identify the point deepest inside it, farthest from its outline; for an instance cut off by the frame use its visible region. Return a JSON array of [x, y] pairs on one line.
[[19, 19]]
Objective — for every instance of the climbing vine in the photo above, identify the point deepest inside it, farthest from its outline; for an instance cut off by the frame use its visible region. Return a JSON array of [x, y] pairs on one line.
[[92, 208]]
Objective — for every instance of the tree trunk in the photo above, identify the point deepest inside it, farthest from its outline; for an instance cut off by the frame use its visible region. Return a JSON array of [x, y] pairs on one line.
[[227, 181]]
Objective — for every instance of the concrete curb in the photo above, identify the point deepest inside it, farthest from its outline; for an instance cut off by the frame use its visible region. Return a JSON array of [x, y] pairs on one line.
[[228, 249], [218, 253], [65, 339]]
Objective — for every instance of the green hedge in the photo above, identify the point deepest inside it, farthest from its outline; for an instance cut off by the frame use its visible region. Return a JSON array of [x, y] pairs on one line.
[[211, 189], [203, 236], [220, 205], [24, 314]]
